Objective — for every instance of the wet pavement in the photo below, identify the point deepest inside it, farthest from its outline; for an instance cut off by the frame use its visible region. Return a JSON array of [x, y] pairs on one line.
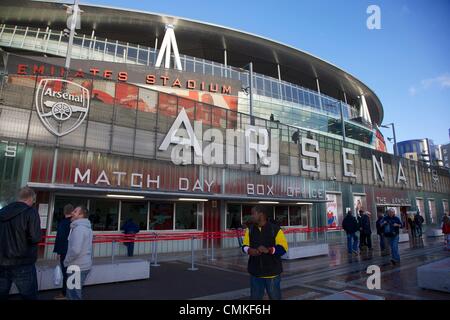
[[226, 277]]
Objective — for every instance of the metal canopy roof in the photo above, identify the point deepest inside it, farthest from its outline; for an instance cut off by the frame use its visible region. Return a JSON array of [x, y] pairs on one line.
[[202, 40]]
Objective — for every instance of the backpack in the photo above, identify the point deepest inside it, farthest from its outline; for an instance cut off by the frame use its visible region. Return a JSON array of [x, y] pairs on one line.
[[389, 230]]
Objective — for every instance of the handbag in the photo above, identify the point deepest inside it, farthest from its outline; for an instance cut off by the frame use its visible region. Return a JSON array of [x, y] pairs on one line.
[[57, 275]]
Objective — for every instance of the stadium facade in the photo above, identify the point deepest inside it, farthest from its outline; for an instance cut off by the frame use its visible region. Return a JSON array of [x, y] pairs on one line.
[[301, 135]]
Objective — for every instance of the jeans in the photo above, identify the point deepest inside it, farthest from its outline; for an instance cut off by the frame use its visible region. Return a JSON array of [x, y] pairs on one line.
[[64, 273], [76, 293], [382, 245], [130, 248], [350, 247], [24, 276], [271, 285], [393, 243]]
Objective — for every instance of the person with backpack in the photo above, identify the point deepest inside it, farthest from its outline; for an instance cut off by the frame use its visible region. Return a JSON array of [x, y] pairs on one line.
[[419, 220], [265, 243], [380, 231], [350, 225], [61, 244], [391, 225], [20, 233]]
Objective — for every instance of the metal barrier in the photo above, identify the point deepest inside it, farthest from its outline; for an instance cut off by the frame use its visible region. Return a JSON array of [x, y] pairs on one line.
[[155, 237]]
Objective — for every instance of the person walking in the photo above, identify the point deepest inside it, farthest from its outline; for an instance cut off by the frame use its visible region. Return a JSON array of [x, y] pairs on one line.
[[446, 232], [419, 220], [265, 243], [237, 226], [391, 228], [380, 231], [61, 244], [20, 233], [362, 239], [366, 230], [350, 225], [130, 228], [79, 251], [412, 226]]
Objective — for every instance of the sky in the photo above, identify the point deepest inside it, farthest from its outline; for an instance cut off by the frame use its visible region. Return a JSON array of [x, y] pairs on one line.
[[406, 62]]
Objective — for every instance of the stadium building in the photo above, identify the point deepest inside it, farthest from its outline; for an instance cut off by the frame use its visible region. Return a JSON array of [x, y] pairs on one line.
[[185, 125]]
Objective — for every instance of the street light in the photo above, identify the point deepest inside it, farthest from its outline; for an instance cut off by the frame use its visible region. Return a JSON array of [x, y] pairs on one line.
[[393, 132], [249, 90]]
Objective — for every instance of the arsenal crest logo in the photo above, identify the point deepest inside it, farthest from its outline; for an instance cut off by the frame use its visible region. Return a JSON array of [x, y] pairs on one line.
[[62, 105]]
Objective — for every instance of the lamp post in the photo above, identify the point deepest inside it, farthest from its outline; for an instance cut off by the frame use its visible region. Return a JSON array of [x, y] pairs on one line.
[[73, 24], [250, 90], [393, 133]]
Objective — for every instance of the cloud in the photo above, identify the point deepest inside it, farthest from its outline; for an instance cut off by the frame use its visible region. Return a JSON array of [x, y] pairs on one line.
[[441, 82]]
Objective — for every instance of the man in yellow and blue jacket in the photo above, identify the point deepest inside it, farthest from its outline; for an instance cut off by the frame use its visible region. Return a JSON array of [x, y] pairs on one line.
[[265, 243]]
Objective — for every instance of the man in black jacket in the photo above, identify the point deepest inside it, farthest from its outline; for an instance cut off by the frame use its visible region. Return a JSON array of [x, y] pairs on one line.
[[61, 245], [366, 230], [350, 225], [20, 232], [265, 243]]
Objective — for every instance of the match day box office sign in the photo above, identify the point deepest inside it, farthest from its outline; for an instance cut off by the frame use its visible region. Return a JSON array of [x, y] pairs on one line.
[[98, 170]]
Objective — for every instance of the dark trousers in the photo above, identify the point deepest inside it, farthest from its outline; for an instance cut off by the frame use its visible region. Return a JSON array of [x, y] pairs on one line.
[[259, 285], [413, 231], [382, 243], [130, 248], [419, 230], [366, 240], [24, 276], [64, 273]]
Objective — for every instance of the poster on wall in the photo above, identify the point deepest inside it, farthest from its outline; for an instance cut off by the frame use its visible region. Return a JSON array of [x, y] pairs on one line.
[[358, 204], [332, 211], [43, 214]]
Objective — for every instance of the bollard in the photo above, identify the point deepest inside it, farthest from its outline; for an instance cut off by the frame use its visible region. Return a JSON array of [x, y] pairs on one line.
[[192, 268], [207, 245], [155, 261], [295, 238]]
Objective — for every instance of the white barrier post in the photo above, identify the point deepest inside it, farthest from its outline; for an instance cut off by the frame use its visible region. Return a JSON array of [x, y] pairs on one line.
[[212, 249], [207, 245], [155, 261], [113, 249], [192, 268]]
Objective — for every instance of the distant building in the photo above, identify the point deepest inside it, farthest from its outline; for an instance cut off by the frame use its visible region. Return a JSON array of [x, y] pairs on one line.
[[445, 152], [421, 150]]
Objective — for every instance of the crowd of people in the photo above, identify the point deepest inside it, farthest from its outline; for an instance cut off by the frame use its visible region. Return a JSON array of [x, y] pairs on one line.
[[264, 242]]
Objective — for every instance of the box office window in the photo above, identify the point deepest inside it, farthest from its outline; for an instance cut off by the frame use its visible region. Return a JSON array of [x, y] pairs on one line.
[[299, 215], [137, 211], [185, 216], [60, 202], [104, 214], [281, 215], [161, 216], [234, 218]]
